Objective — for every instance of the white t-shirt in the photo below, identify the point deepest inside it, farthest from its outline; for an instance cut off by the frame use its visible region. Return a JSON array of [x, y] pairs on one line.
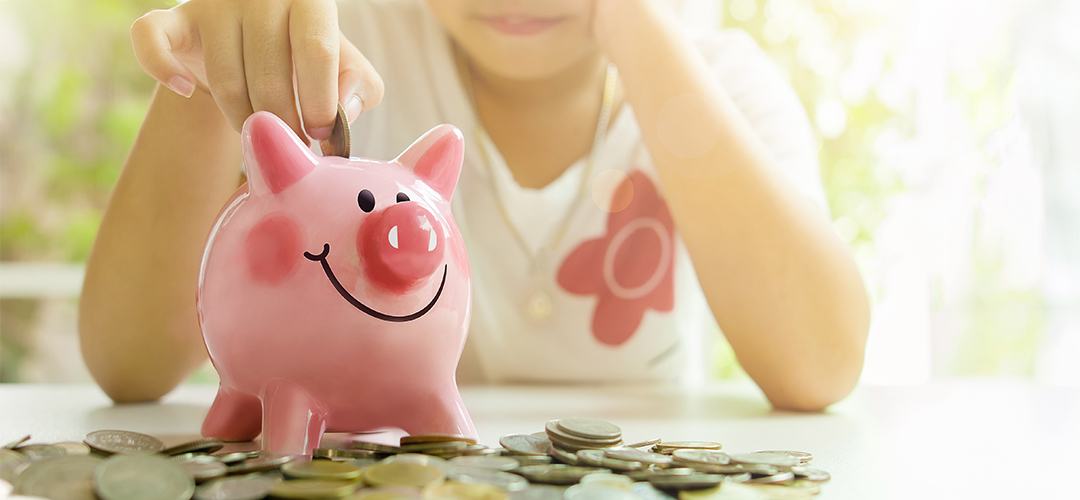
[[622, 292]]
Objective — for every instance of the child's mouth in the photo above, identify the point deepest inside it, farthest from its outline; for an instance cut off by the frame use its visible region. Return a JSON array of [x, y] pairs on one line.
[[520, 25]]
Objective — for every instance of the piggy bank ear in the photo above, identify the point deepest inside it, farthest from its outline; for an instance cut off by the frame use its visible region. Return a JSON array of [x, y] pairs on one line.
[[274, 158], [436, 158]]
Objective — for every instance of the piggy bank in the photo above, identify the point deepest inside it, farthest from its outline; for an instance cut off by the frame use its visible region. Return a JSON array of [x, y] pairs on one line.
[[334, 293]]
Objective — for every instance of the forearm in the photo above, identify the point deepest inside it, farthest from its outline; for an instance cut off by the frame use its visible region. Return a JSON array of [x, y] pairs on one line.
[[782, 286], [137, 320]]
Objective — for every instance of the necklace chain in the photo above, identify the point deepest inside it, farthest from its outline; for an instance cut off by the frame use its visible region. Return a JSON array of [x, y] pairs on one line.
[[590, 161]]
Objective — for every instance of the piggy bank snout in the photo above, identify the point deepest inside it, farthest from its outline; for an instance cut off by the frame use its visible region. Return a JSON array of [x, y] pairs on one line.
[[403, 244]]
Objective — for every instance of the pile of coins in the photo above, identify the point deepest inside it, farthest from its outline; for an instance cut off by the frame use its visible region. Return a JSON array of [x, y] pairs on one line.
[[572, 459]]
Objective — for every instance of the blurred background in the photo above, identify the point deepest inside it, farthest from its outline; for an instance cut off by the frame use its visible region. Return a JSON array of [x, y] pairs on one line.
[[950, 152]]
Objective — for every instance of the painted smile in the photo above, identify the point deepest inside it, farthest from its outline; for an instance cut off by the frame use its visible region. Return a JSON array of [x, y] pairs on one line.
[[360, 305]]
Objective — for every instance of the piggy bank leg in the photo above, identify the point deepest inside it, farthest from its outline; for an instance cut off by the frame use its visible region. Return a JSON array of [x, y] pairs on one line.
[[441, 413], [293, 421], [234, 416]]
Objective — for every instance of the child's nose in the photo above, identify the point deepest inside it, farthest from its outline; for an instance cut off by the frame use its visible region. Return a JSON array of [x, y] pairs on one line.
[[404, 244]]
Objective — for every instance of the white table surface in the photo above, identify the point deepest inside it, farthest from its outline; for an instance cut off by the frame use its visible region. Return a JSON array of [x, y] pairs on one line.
[[979, 438]]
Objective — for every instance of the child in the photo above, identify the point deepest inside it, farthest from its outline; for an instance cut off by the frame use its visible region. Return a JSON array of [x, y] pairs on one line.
[[591, 256]]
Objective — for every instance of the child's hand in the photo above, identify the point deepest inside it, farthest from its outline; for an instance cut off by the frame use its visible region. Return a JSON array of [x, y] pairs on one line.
[[247, 53]]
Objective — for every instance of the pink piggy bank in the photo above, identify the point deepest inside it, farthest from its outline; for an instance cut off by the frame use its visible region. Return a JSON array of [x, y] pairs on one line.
[[334, 293]]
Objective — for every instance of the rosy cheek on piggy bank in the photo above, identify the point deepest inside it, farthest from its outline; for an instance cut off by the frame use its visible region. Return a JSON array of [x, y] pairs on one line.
[[334, 294]]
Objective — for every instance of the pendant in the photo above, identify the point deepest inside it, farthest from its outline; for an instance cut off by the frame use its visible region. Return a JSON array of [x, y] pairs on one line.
[[539, 306]]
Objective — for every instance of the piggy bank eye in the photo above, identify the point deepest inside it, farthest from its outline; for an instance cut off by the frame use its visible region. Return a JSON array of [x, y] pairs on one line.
[[366, 200], [402, 197]]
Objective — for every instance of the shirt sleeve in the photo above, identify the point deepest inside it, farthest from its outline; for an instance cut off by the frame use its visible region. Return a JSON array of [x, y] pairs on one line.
[[769, 103]]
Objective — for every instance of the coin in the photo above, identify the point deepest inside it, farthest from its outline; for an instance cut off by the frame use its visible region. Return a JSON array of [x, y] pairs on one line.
[[597, 458], [15, 444], [239, 456], [642, 444], [340, 142], [525, 444], [203, 468], [436, 438], [539, 492], [403, 473], [802, 456], [140, 476], [205, 445], [313, 488], [434, 448], [669, 446], [634, 455], [646, 491], [389, 493], [774, 459], [325, 469], [686, 482], [589, 428], [811, 474], [698, 456], [573, 443], [376, 447], [503, 480], [65, 478], [112, 441], [557, 474], [417, 458], [73, 448], [9, 462], [645, 474], [264, 463], [524, 460], [504, 464], [775, 478], [455, 490], [249, 487], [34, 452], [618, 480], [335, 453], [563, 456]]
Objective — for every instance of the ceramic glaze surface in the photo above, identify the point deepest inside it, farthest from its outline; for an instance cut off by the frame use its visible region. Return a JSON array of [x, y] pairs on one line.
[[334, 293]]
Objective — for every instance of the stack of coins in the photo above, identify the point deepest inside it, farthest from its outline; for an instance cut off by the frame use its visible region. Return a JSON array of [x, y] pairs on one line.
[[572, 459]]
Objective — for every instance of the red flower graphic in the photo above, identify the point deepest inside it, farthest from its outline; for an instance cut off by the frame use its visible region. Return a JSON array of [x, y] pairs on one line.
[[630, 267]]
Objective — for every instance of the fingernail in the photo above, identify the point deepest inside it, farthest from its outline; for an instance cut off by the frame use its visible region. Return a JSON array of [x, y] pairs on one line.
[[353, 107], [181, 86], [321, 133]]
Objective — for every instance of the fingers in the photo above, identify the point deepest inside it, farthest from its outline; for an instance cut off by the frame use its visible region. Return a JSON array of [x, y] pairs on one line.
[[360, 87], [268, 63], [223, 55], [154, 37], [314, 35]]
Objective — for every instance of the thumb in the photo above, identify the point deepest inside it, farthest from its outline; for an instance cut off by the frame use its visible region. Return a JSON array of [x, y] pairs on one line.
[[155, 36], [360, 87]]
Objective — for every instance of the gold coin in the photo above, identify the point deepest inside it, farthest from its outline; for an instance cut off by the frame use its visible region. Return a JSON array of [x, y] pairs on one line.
[[313, 488], [462, 491], [321, 469], [435, 438], [403, 474]]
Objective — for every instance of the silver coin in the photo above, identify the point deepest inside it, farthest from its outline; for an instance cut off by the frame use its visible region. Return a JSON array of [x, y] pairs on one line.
[[339, 143], [263, 463], [574, 443], [204, 445], [686, 482], [524, 460], [642, 444], [755, 469], [802, 456], [418, 458], [203, 468], [619, 480], [433, 448], [590, 457], [696, 456], [59, 478], [539, 492], [598, 492], [18, 442], [634, 455], [645, 474], [10, 461], [250, 487], [693, 445], [557, 474], [111, 442], [646, 491], [73, 448], [238, 456], [774, 459], [775, 478], [376, 447], [499, 479], [335, 453], [35, 452], [589, 428], [810, 474], [505, 464], [524, 444], [142, 477], [598, 458], [564, 456]]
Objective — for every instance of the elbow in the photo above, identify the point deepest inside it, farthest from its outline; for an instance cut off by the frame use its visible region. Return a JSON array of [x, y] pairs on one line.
[[827, 381]]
